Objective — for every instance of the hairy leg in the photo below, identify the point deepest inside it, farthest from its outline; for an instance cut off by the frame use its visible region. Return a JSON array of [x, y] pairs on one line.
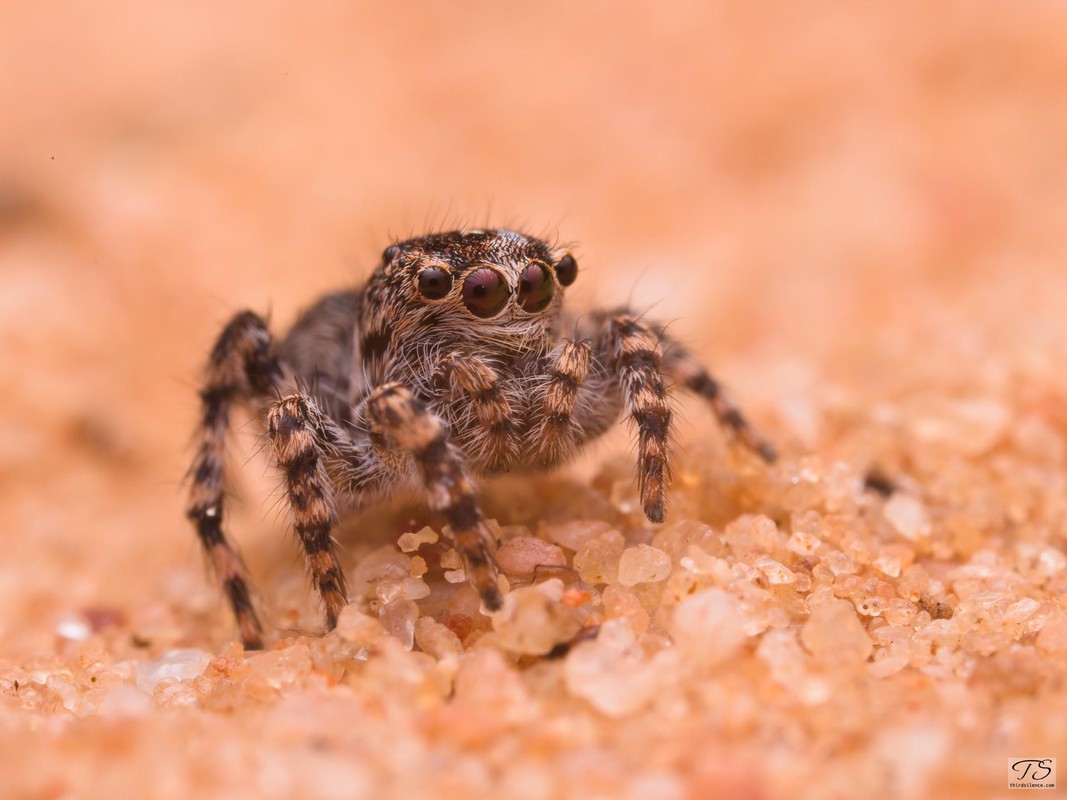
[[399, 421], [242, 366], [631, 352], [495, 442], [561, 430], [300, 436], [682, 366]]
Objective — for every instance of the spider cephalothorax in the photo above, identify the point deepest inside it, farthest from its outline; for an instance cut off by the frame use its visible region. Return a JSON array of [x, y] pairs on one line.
[[450, 363], [486, 290]]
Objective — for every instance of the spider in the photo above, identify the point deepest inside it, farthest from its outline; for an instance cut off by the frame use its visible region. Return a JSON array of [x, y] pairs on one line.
[[449, 364]]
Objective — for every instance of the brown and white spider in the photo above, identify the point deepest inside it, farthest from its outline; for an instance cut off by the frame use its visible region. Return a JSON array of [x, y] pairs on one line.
[[450, 363]]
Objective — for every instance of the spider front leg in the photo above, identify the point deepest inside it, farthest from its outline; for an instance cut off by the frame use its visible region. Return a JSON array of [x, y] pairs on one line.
[[399, 421], [300, 437], [682, 366], [481, 386], [243, 366], [632, 351], [561, 430]]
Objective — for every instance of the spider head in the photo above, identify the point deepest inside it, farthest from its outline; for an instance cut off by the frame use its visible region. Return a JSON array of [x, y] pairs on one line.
[[492, 275]]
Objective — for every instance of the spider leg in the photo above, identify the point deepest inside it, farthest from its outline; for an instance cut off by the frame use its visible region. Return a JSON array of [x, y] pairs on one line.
[[682, 366], [399, 421], [480, 383], [561, 428], [632, 351], [300, 436], [242, 366]]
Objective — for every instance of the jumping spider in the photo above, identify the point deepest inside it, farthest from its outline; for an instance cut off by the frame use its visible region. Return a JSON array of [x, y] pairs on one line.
[[450, 363]]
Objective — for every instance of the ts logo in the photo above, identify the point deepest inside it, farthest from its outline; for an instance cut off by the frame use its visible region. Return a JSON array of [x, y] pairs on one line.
[[1033, 769]]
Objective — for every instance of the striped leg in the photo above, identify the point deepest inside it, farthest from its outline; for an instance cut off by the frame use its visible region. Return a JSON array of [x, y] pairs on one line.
[[634, 352], [561, 429], [495, 441], [683, 367], [299, 437], [242, 366], [399, 421]]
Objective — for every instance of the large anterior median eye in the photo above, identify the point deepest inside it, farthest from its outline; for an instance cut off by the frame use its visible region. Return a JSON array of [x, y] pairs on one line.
[[566, 270], [434, 283], [485, 293], [535, 287]]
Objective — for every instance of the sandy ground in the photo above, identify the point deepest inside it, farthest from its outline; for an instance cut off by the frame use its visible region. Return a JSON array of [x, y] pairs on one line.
[[856, 212]]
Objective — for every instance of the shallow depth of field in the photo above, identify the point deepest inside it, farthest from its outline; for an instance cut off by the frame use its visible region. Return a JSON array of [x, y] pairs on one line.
[[856, 214]]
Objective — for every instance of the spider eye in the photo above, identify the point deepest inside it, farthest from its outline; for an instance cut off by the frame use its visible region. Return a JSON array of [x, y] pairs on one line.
[[535, 287], [391, 252], [485, 293], [434, 283], [566, 270]]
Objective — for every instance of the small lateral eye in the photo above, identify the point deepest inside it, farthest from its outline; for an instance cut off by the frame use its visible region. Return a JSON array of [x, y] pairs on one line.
[[391, 252], [566, 270], [434, 283], [485, 292], [535, 287]]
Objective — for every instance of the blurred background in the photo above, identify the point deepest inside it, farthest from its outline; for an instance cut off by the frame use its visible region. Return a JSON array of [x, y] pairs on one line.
[[818, 194]]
